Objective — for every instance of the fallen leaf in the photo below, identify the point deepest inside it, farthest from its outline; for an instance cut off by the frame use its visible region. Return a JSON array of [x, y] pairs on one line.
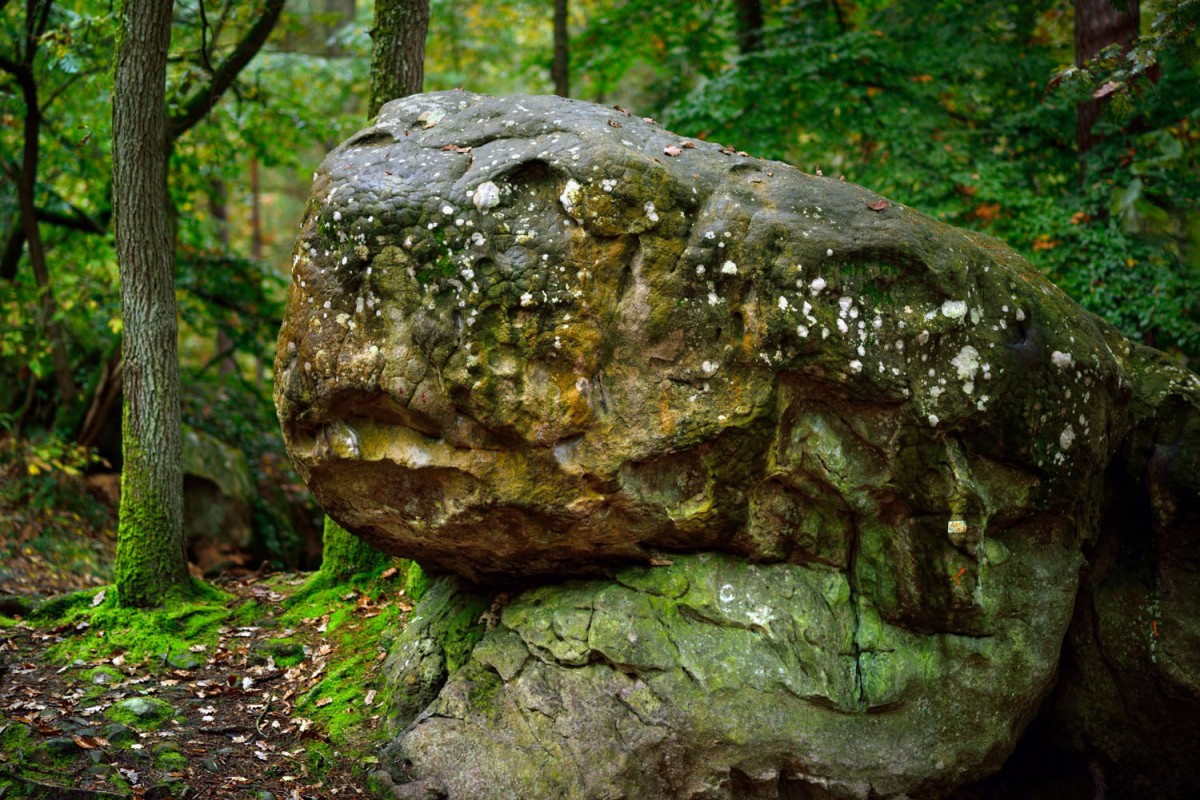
[[454, 148], [324, 701], [430, 118], [688, 145], [390, 571], [1106, 90], [99, 598], [672, 150], [878, 205], [370, 698], [612, 123], [660, 562]]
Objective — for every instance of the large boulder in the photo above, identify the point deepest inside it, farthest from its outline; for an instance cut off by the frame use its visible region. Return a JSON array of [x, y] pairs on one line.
[[859, 454]]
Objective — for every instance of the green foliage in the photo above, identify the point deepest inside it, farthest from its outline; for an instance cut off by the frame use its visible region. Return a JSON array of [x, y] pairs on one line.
[[952, 117], [44, 510]]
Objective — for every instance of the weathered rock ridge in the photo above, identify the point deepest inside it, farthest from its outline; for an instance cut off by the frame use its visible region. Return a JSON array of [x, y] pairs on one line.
[[861, 456]]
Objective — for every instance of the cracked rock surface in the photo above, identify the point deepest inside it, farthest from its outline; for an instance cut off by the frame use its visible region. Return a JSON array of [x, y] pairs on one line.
[[819, 472]]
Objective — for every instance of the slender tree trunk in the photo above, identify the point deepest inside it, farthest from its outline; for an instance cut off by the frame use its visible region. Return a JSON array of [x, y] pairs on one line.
[[36, 14], [397, 70], [344, 555], [561, 68], [1098, 23], [219, 203], [750, 25], [398, 52], [151, 562]]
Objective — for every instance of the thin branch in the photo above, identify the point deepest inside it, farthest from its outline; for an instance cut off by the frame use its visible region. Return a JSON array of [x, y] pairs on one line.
[[202, 101], [79, 222], [204, 39]]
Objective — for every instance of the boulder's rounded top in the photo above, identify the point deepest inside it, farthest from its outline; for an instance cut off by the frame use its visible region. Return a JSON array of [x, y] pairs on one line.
[[530, 335]]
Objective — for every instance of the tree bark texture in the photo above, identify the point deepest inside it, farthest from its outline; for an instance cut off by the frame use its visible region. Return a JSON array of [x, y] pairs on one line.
[[398, 52], [1098, 23], [151, 562], [561, 68]]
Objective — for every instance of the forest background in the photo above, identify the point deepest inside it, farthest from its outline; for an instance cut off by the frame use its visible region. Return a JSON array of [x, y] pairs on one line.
[[973, 111]]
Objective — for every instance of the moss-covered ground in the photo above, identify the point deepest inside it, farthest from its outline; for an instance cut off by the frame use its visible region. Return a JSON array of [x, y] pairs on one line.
[[262, 684]]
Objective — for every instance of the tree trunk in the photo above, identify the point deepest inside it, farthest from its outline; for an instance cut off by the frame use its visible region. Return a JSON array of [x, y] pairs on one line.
[[36, 15], [344, 555], [1098, 23], [750, 25], [398, 54], [151, 563], [561, 66], [397, 70]]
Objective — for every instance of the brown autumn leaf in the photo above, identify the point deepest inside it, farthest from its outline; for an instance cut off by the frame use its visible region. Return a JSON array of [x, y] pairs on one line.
[[672, 150], [454, 148], [389, 572], [660, 562], [688, 145], [324, 701], [651, 120], [623, 111], [878, 205], [1105, 90], [612, 123]]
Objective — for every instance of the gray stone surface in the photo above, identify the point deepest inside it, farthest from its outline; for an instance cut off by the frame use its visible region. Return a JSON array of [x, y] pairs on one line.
[[861, 458]]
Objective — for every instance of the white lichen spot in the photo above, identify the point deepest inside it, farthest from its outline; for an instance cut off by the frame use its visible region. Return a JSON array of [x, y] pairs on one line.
[[486, 196], [856, 366], [956, 526], [448, 210], [527, 300], [802, 331], [783, 303], [933, 420], [1020, 315], [966, 362], [651, 214], [829, 252], [713, 299], [954, 309], [726, 593], [1066, 438], [729, 268], [817, 286], [1061, 360], [570, 196], [337, 216]]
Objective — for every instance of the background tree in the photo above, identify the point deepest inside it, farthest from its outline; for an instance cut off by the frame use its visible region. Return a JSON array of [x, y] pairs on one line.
[[397, 70], [150, 551], [561, 67], [398, 53]]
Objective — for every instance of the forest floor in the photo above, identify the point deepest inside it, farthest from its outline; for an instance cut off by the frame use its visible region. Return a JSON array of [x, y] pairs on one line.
[[261, 688]]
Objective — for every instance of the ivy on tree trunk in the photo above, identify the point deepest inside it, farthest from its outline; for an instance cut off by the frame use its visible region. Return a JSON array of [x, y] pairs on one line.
[[151, 562]]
